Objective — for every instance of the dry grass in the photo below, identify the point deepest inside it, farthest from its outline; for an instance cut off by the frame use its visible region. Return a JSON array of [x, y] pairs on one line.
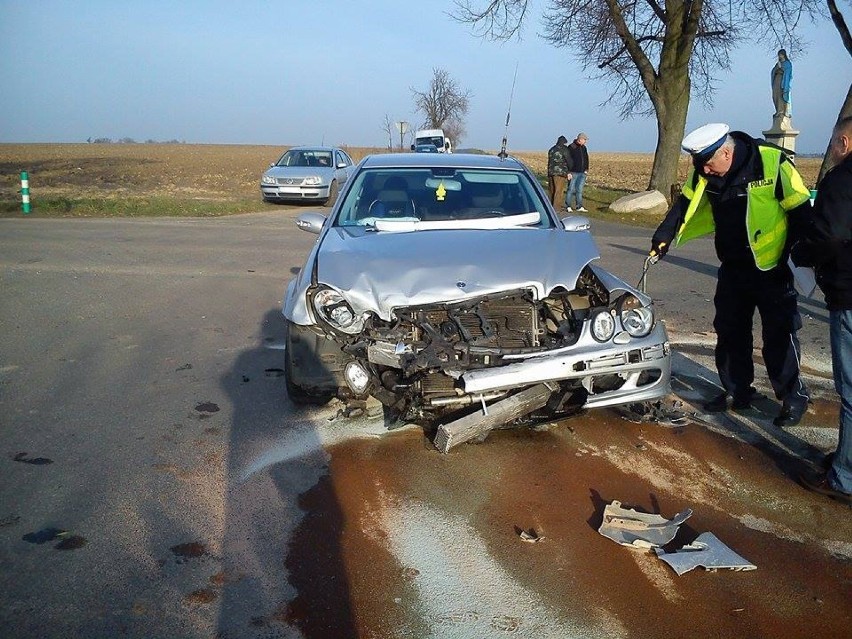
[[192, 179]]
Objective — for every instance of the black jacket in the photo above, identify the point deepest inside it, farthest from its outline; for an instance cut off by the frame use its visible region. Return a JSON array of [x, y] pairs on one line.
[[827, 243], [728, 200], [579, 157]]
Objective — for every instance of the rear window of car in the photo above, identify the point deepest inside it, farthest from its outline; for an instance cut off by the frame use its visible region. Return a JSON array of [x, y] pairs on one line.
[[439, 195]]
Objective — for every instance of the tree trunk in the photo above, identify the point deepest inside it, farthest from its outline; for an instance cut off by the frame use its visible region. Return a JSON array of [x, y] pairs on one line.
[[845, 112], [671, 107]]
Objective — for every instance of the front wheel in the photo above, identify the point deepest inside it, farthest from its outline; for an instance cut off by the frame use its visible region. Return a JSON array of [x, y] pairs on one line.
[[332, 194]]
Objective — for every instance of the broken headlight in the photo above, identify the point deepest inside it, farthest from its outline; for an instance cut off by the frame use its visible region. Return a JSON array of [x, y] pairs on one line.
[[335, 311], [638, 320]]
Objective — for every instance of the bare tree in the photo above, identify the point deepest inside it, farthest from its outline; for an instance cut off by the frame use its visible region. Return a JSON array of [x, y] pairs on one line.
[[653, 54], [846, 108], [444, 105], [389, 128]]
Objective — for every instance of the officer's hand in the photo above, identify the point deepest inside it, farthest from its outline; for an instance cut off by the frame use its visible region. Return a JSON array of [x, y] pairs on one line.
[[658, 249]]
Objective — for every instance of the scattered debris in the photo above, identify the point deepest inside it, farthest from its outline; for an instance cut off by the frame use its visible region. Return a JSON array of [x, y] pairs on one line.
[[530, 536], [639, 530], [662, 412], [706, 551]]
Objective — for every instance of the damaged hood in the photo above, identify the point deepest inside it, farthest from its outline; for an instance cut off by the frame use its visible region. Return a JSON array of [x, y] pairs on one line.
[[379, 271]]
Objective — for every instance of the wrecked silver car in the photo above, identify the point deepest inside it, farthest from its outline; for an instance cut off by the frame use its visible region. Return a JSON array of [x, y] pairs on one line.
[[443, 284]]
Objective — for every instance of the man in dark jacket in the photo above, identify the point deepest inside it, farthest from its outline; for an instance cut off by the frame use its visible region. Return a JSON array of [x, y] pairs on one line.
[[579, 169], [558, 170], [749, 193], [827, 246]]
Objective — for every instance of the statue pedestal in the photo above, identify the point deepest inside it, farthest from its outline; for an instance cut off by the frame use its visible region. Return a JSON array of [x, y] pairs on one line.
[[782, 133]]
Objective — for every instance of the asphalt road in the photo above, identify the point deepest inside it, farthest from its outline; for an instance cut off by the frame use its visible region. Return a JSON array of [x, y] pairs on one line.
[[156, 482]]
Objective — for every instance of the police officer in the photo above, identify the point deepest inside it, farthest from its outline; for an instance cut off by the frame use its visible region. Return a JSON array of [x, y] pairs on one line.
[[751, 195]]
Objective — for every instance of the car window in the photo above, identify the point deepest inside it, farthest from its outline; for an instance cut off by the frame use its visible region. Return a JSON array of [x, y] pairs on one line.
[[439, 195], [308, 157], [342, 158]]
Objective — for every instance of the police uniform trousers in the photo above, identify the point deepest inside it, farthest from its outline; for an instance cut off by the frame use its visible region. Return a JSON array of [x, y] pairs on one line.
[[740, 289]]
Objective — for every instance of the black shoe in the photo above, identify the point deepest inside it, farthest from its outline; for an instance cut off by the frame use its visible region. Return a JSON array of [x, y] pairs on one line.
[[820, 485], [718, 404], [827, 462], [790, 414], [742, 402]]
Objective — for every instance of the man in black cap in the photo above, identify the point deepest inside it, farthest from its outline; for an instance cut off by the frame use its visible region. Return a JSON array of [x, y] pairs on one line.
[[558, 170], [749, 193]]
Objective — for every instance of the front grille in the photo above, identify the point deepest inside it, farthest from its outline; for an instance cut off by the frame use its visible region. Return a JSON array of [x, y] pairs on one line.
[[289, 181]]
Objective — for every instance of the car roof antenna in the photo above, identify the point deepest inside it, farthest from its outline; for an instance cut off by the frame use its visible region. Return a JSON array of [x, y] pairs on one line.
[[503, 153]]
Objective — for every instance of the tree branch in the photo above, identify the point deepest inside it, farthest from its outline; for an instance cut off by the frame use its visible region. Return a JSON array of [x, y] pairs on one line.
[[840, 24], [623, 48]]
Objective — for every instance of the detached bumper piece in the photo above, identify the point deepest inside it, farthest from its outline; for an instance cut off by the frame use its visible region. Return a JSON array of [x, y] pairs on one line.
[[640, 530], [478, 424], [706, 551]]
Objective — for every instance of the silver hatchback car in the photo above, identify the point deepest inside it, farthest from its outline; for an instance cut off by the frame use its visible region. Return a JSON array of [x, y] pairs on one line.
[[307, 174], [445, 286]]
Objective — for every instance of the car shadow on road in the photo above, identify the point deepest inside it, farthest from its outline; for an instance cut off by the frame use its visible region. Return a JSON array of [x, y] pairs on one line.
[[283, 565]]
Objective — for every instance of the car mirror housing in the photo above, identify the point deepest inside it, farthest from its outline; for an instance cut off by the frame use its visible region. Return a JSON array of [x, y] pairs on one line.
[[576, 223], [311, 222]]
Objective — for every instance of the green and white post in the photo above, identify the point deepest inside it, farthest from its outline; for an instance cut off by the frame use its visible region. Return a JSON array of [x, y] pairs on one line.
[[25, 192]]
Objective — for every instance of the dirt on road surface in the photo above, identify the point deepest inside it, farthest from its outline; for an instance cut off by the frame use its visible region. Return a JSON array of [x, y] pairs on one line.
[[401, 541]]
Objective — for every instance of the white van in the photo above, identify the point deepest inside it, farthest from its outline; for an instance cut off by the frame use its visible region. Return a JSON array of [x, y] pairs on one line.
[[435, 137]]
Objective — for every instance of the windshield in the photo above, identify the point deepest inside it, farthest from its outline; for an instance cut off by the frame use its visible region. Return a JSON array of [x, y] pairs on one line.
[[305, 158], [442, 197], [437, 141]]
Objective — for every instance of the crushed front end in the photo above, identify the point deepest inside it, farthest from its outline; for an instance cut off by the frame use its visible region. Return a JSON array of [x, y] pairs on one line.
[[431, 361]]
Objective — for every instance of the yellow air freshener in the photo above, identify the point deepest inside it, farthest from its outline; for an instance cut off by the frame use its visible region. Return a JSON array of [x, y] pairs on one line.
[[440, 192]]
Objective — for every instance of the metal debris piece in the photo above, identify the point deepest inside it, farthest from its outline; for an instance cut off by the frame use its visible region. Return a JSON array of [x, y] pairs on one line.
[[706, 551], [505, 410], [530, 536], [639, 530], [662, 412]]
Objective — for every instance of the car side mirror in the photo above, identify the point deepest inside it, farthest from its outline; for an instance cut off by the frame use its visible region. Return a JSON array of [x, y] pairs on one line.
[[576, 223], [311, 222], [271, 164], [341, 165], [412, 147]]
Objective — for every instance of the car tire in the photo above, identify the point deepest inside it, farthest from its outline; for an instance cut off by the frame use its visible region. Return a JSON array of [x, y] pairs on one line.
[[299, 394], [332, 194]]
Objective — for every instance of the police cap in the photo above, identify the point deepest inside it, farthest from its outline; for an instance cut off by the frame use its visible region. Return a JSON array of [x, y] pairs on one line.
[[702, 143]]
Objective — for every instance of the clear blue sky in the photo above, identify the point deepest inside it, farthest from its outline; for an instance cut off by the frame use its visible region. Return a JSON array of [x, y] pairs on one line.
[[305, 72]]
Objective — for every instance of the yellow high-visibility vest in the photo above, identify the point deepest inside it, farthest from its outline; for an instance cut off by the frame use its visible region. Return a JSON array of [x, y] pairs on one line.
[[766, 216]]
